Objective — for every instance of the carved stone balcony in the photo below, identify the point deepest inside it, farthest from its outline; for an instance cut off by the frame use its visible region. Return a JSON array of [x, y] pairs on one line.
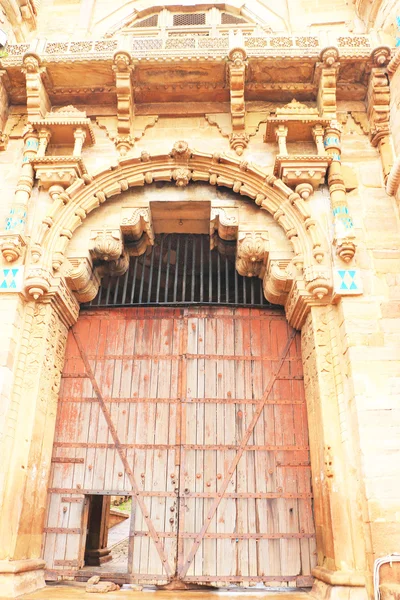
[[297, 122], [67, 127]]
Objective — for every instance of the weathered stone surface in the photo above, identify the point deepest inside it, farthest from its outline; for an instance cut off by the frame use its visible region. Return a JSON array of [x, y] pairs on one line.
[[102, 588]]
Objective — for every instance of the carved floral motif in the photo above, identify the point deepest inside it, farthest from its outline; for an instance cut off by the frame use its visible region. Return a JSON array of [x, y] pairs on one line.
[[252, 252], [106, 244]]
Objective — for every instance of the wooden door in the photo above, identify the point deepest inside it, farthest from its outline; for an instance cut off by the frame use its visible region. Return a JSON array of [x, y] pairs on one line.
[[199, 414]]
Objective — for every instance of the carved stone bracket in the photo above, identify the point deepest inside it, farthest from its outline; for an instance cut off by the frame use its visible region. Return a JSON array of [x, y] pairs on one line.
[[82, 278], [326, 78], [106, 244], [224, 224], [12, 246], [37, 101], [237, 75], [378, 112], [123, 69], [137, 229], [58, 170], [252, 253], [278, 280], [296, 170]]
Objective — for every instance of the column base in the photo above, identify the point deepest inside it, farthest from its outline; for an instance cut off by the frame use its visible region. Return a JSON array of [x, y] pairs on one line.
[[18, 577], [96, 558], [338, 585]]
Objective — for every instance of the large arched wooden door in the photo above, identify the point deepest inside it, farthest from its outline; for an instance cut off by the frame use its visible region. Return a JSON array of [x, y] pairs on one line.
[[199, 414]]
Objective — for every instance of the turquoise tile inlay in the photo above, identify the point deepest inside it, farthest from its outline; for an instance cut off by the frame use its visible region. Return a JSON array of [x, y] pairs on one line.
[[348, 281], [11, 279], [16, 219]]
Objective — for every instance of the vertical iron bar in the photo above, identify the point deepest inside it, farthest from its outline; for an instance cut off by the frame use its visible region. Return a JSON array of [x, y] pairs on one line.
[[126, 283], [134, 278], [201, 267], [184, 270], [167, 273], [150, 276], [142, 278], [108, 291], [193, 282], [262, 293], [210, 271], [219, 276], [100, 294], [244, 279], [116, 291], [159, 270], [176, 267], [226, 279], [236, 286], [252, 290]]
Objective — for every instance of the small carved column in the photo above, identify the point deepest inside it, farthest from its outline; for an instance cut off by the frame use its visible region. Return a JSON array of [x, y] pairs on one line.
[[44, 139], [237, 74], [281, 134], [79, 136], [318, 135], [12, 240], [343, 223]]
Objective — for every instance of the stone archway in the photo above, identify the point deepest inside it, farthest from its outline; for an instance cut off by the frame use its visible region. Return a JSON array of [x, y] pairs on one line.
[[307, 298], [311, 278]]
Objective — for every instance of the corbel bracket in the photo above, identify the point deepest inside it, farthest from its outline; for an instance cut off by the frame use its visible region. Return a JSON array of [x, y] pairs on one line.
[[252, 253], [378, 108], [224, 224], [123, 69], [237, 76], [326, 77], [137, 229], [37, 100], [82, 278]]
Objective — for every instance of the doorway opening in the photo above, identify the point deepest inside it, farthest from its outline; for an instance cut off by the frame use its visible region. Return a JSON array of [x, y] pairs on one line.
[[107, 533]]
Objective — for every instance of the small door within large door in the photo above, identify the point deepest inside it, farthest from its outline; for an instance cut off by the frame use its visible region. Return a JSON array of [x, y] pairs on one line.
[[199, 414]]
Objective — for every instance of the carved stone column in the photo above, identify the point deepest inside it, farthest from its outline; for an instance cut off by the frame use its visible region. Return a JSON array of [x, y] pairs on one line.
[[26, 456], [343, 223], [79, 136], [281, 135], [12, 240], [44, 139], [338, 496]]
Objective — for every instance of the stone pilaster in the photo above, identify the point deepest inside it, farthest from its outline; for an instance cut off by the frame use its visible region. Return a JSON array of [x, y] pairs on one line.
[[341, 541], [27, 452]]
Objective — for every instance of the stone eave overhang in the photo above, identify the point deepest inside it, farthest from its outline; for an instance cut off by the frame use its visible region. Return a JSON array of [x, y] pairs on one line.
[[273, 74]]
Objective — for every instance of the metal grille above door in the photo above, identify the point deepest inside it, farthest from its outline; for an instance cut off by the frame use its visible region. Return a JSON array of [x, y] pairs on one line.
[[181, 269]]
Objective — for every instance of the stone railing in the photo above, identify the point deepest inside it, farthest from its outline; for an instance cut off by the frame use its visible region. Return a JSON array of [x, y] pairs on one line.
[[149, 47]]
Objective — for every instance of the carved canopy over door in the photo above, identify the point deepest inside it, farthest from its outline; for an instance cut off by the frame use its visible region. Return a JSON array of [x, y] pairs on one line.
[[198, 413]]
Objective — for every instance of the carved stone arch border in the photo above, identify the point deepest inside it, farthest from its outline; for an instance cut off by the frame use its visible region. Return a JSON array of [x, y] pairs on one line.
[[305, 282]]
